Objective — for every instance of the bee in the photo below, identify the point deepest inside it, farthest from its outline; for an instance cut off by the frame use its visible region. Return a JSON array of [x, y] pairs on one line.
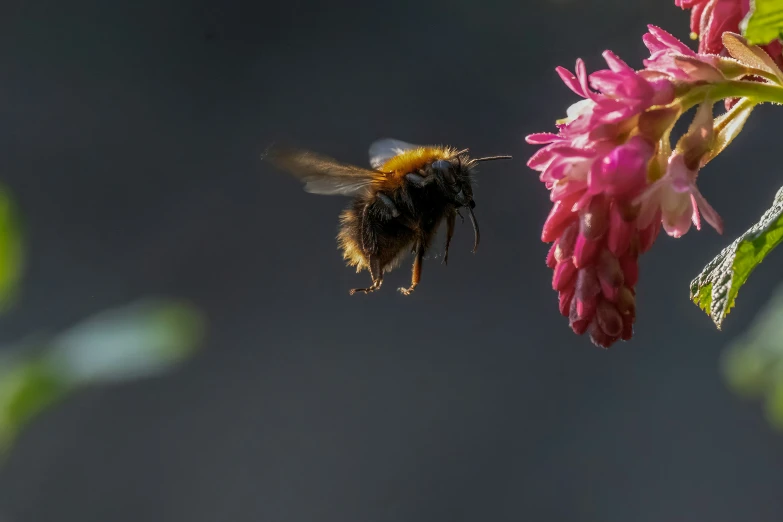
[[398, 204]]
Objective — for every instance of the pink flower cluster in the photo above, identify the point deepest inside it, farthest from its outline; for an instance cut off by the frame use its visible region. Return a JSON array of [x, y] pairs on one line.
[[613, 181], [711, 18]]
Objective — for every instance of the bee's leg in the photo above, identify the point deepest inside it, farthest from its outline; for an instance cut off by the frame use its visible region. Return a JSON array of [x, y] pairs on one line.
[[368, 248], [387, 201], [416, 276], [367, 232], [451, 219], [376, 272]]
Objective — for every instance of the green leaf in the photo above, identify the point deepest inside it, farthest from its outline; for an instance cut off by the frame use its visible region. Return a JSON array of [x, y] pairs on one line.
[[716, 288], [140, 340], [10, 250], [764, 22]]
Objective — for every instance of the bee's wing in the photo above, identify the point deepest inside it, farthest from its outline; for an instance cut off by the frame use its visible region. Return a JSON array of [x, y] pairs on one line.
[[322, 175], [383, 150]]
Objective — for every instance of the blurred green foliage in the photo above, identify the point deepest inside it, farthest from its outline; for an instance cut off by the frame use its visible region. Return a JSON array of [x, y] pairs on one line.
[[136, 341], [10, 250], [753, 363], [139, 340]]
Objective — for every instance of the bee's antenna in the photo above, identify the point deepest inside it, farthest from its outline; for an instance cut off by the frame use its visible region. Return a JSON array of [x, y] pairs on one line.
[[491, 158]]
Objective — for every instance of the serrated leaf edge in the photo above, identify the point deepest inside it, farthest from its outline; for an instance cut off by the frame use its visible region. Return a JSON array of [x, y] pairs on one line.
[[705, 279]]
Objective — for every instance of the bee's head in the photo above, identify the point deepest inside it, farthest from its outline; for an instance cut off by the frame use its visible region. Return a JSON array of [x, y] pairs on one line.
[[454, 176]]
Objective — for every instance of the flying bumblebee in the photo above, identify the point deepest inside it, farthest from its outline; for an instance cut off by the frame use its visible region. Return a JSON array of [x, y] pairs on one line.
[[398, 205]]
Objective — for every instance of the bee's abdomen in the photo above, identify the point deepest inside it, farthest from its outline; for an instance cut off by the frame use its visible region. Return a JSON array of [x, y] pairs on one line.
[[368, 230]]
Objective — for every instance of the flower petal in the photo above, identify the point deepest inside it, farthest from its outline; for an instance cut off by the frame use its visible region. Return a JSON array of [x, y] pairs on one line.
[[667, 41], [711, 216], [570, 80], [677, 225], [695, 217], [615, 63], [541, 138], [581, 75]]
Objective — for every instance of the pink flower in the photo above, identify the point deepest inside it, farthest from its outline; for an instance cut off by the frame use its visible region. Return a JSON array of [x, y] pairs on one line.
[[594, 171], [678, 200], [711, 18], [624, 93], [623, 171], [670, 56], [613, 183], [589, 134], [675, 195], [594, 259]]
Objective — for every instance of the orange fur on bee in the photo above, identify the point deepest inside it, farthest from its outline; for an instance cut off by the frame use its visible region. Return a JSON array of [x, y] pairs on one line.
[[352, 252], [411, 161]]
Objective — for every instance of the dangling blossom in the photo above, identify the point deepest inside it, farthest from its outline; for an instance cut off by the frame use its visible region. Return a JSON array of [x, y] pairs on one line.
[[675, 195], [612, 184], [594, 170], [675, 200]]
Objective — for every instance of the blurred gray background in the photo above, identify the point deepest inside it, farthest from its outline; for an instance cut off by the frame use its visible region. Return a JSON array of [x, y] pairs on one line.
[[130, 133]]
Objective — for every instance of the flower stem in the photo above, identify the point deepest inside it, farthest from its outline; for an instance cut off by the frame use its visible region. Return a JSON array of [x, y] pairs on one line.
[[756, 92]]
